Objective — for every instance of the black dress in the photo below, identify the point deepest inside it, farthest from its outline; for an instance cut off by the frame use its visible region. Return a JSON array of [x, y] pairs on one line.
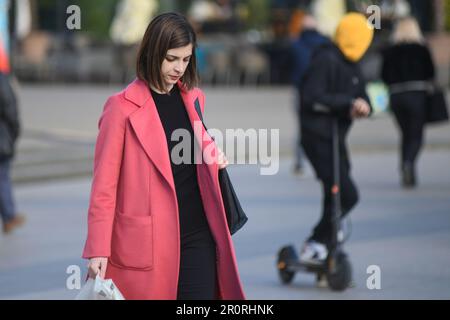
[[197, 279]]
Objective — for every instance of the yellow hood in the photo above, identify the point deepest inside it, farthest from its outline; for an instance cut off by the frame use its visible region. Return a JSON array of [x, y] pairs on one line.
[[353, 36]]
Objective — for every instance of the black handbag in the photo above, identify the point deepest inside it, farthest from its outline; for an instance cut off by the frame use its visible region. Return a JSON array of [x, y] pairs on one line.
[[436, 111], [236, 217]]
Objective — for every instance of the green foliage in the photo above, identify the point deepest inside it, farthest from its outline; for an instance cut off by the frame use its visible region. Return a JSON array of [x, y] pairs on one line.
[[258, 13], [96, 16], [447, 14]]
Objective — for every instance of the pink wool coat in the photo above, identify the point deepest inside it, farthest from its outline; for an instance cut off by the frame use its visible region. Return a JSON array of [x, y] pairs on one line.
[[133, 210]]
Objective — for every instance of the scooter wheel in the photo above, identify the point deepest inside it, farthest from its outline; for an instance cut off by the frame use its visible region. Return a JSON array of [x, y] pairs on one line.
[[340, 279], [286, 256]]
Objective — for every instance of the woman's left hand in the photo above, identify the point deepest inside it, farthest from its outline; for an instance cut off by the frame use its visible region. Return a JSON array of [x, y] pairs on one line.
[[222, 160]]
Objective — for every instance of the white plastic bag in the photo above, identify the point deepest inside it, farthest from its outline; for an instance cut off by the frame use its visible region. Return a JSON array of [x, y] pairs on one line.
[[99, 289]]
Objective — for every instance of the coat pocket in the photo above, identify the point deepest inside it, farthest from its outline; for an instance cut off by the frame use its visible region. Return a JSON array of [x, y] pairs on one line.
[[132, 242]]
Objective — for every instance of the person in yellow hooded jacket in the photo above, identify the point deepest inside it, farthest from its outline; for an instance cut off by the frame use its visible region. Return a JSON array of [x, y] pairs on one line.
[[333, 88]]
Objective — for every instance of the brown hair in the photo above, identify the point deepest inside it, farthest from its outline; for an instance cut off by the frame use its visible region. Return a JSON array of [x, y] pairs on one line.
[[166, 31]]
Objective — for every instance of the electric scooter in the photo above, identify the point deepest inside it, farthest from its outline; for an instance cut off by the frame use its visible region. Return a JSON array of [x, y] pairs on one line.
[[336, 267]]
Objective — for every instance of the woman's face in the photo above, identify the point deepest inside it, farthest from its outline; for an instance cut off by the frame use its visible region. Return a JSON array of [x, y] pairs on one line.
[[174, 64]]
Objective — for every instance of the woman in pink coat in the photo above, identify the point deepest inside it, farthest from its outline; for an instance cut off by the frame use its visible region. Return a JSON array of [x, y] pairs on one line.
[[156, 222]]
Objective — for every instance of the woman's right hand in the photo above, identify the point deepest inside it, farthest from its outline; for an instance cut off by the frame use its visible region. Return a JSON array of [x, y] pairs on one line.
[[98, 266]]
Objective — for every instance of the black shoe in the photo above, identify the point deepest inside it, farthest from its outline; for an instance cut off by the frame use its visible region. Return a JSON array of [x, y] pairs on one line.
[[297, 169], [408, 176]]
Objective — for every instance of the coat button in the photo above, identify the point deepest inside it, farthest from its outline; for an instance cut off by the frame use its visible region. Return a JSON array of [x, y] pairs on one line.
[[355, 80]]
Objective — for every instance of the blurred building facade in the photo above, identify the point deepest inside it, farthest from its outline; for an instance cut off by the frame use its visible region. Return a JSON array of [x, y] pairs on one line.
[[241, 42]]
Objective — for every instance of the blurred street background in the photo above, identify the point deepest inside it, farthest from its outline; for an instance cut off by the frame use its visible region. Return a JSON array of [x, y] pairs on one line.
[[63, 77]]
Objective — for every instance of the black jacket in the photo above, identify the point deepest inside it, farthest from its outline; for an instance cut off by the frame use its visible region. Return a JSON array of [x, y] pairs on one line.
[[330, 85], [407, 62], [9, 118]]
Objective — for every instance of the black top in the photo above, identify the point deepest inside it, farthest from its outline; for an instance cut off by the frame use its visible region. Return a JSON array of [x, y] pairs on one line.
[[330, 85], [173, 115], [407, 62]]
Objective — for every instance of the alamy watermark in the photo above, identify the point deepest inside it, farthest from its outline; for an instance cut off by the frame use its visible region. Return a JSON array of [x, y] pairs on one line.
[[73, 281], [373, 282], [73, 21], [250, 146], [374, 16]]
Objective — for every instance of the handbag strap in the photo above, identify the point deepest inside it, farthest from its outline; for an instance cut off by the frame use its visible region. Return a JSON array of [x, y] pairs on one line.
[[198, 109], [199, 112]]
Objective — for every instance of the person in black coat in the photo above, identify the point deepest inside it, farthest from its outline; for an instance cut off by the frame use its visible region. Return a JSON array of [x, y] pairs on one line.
[[408, 70], [9, 132], [302, 49], [333, 90]]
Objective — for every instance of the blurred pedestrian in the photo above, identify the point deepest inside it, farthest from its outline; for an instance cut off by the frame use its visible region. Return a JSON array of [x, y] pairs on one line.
[[157, 225], [9, 132], [214, 16], [302, 50], [127, 28], [408, 70], [328, 14], [333, 90]]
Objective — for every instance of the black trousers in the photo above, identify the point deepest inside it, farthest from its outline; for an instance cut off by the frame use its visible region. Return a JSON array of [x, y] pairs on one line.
[[409, 110], [197, 279], [320, 154]]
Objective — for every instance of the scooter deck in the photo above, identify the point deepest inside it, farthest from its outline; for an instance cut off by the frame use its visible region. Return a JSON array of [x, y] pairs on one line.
[[298, 266]]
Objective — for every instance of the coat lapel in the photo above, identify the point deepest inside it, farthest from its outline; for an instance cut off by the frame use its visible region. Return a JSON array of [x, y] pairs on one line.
[[202, 136], [148, 128], [150, 132], [193, 118]]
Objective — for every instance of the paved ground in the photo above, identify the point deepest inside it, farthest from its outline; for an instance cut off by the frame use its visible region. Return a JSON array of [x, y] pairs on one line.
[[405, 233]]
